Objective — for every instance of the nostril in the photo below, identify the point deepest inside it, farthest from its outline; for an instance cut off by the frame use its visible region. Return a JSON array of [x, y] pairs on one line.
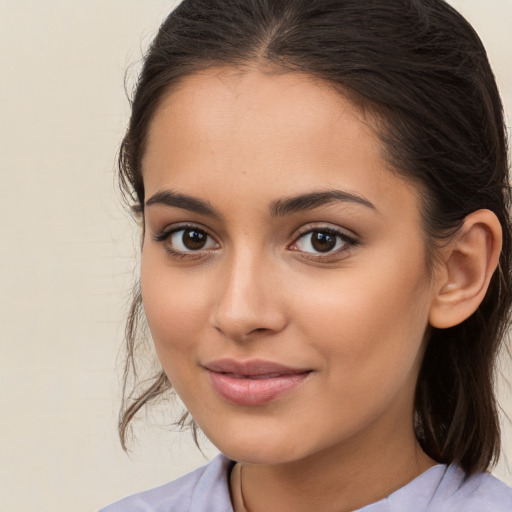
[[240, 332], [245, 304]]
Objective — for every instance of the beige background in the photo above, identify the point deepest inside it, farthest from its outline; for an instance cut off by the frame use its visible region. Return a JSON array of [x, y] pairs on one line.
[[67, 249]]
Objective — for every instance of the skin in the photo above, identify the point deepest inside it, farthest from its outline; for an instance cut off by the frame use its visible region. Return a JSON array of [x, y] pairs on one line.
[[356, 316]]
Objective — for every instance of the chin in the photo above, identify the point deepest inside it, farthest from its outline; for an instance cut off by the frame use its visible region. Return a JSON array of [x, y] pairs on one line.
[[264, 448], [256, 454]]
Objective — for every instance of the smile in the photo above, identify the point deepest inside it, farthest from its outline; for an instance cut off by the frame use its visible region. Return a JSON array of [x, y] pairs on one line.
[[253, 382]]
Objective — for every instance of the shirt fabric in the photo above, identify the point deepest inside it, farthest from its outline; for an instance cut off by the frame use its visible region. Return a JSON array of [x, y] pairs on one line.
[[440, 489]]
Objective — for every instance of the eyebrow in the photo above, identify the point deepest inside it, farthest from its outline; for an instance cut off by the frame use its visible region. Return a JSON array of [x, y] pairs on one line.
[[313, 200], [177, 200], [278, 208]]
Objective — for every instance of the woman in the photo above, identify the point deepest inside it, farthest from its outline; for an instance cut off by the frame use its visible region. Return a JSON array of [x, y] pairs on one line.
[[323, 187]]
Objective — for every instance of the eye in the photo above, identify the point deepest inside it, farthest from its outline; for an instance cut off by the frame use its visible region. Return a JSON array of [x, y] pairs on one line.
[[191, 239], [323, 241], [186, 240]]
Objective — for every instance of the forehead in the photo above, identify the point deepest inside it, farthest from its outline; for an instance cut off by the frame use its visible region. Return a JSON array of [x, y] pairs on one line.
[[279, 134], [226, 103], [228, 94]]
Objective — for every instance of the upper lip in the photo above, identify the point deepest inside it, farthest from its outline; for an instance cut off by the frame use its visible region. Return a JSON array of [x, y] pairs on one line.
[[253, 367]]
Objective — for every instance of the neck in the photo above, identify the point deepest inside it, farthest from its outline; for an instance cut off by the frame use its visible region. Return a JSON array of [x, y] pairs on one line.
[[337, 480]]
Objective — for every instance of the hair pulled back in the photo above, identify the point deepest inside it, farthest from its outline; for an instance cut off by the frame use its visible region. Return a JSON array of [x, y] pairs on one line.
[[421, 70]]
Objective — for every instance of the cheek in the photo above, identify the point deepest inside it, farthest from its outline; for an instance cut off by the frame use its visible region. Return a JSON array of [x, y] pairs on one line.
[[369, 325], [175, 304]]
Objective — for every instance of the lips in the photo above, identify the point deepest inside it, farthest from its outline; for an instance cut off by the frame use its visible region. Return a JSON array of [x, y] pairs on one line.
[[253, 382]]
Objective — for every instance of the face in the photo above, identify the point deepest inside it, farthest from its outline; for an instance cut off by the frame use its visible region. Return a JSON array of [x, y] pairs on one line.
[[283, 267]]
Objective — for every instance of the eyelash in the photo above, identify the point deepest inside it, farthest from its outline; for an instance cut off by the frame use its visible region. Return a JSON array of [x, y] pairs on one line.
[[164, 236], [348, 242]]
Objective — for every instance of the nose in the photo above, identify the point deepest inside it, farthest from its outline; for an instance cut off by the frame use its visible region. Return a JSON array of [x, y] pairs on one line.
[[249, 301]]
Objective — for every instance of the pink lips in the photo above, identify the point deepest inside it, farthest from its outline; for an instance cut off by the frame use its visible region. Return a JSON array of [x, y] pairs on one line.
[[253, 382]]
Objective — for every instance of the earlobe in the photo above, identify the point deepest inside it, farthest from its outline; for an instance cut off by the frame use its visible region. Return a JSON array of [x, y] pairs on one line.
[[468, 263]]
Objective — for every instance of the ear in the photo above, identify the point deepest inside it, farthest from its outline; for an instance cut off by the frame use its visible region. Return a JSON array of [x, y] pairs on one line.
[[466, 268]]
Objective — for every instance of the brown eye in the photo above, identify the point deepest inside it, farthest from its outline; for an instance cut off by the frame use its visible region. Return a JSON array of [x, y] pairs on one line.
[[194, 239], [323, 242], [190, 239]]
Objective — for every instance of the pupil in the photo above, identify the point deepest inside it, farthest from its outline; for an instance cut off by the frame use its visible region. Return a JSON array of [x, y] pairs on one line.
[[323, 242], [193, 239]]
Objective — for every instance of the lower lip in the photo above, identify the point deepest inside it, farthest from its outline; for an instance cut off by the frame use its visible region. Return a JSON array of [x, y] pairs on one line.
[[247, 391]]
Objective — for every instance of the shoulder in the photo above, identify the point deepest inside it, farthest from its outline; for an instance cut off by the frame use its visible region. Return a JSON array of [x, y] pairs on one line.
[[202, 490], [481, 492], [448, 489]]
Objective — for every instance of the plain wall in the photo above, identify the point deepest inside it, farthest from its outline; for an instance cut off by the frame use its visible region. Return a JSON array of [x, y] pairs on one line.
[[67, 249]]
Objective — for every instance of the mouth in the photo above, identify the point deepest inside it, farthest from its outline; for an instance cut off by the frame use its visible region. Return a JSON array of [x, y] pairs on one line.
[[253, 382]]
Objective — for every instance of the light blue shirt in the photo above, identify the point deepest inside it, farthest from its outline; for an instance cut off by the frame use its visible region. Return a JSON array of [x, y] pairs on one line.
[[440, 489]]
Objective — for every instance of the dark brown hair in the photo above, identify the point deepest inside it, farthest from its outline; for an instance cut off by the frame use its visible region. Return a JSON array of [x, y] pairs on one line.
[[421, 69]]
